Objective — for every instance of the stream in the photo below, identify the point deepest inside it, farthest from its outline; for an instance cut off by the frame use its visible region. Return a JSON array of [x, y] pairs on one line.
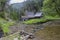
[[30, 28]]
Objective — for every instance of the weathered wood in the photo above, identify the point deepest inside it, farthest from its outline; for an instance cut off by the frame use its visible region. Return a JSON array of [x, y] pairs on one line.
[[30, 15]]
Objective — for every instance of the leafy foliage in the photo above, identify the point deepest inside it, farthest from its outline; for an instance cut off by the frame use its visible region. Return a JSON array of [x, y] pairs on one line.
[[51, 8], [14, 15], [34, 5], [3, 5], [4, 25]]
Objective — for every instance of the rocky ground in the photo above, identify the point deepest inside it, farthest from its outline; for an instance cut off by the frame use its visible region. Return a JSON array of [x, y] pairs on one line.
[[46, 31]]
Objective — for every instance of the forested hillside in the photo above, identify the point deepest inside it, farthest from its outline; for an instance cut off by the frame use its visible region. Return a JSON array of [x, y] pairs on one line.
[[10, 14], [50, 9]]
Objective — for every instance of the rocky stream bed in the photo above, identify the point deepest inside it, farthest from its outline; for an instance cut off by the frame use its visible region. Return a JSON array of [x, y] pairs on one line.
[[46, 31]]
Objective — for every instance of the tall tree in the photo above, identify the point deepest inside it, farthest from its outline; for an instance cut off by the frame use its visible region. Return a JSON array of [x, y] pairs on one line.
[[51, 8], [3, 6], [34, 5]]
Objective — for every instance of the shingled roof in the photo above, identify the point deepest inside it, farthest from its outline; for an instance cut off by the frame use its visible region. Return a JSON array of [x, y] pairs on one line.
[[32, 15]]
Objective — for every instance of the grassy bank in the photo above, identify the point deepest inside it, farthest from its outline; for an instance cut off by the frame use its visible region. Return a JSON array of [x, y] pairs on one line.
[[41, 20], [4, 25]]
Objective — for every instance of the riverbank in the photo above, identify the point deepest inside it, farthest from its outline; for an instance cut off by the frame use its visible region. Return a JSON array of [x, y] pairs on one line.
[[46, 31], [44, 19], [42, 31], [49, 33]]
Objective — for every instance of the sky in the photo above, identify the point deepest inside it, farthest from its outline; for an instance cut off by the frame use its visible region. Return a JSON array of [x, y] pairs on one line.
[[16, 1]]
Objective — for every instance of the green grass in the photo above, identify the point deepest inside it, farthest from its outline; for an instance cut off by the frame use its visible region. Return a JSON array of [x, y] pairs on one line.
[[4, 25], [51, 18], [32, 21], [40, 20]]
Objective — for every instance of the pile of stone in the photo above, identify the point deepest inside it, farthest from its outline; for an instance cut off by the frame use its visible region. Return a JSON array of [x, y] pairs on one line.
[[26, 36]]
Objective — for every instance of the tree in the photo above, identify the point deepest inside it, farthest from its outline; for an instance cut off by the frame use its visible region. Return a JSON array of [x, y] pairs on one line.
[[3, 6], [51, 8], [34, 5], [4, 25]]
